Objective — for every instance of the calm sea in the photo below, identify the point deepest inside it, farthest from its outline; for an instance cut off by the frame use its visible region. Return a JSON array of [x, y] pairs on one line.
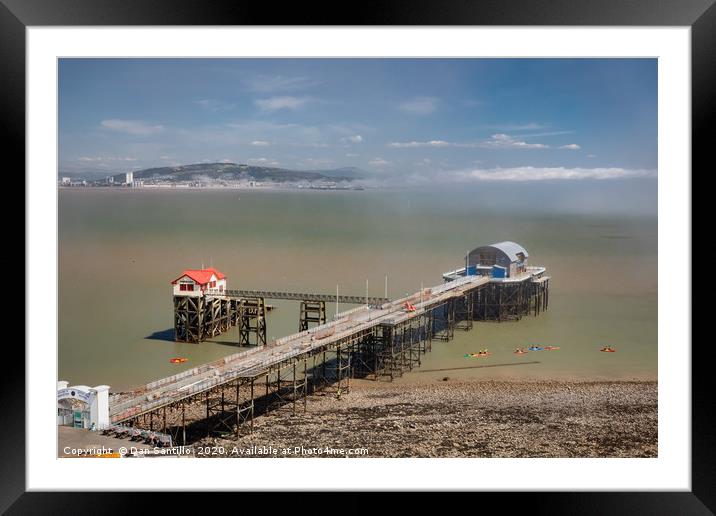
[[120, 249]]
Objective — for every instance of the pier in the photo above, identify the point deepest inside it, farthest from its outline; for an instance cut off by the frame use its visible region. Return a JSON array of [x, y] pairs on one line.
[[380, 339]]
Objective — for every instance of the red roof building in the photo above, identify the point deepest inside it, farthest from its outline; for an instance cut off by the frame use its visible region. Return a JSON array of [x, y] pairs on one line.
[[197, 281]]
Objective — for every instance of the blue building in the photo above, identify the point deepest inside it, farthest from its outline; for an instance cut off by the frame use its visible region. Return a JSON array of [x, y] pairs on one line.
[[500, 260]]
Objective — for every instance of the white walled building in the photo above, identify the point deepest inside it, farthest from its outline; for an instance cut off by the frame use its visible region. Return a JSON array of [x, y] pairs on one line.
[[94, 400], [129, 178], [195, 282]]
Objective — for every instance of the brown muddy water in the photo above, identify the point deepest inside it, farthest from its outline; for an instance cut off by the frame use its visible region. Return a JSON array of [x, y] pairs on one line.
[[120, 249]]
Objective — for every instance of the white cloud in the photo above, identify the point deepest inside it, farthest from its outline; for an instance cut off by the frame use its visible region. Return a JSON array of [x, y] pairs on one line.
[[276, 103], [549, 174], [414, 144], [260, 143], [505, 141], [95, 159], [591, 155], [571, 146], [350, 155], [420, 105], [269, 83], [378, 162], [546, 133], [496, 141], [352, 139], [133, 127]]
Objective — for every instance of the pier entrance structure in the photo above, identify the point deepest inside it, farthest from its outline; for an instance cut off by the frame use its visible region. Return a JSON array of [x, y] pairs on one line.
[[81, 406], [380, 339]]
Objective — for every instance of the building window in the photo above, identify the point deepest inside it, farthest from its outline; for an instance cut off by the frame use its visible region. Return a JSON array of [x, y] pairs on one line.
[[182, 286], [190, 286]]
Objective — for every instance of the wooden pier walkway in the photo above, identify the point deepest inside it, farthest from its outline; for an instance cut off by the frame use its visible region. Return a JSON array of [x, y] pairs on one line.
[[381, 338], [345, 329]]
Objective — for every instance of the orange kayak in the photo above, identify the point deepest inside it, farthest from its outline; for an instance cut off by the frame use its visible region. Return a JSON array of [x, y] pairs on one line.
[[550, 348], [608, 350], [178, 360], [520, 352]]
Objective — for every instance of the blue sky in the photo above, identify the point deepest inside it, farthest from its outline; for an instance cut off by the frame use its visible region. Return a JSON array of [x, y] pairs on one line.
[[407, 120]]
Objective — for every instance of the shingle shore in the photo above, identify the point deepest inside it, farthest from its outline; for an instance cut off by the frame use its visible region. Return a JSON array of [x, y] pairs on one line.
[[465, 419]]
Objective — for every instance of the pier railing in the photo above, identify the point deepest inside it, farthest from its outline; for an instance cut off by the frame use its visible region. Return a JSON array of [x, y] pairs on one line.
[[299, 296], [253, 362]]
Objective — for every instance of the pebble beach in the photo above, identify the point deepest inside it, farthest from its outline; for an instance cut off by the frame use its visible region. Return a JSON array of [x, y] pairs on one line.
[[458, 418]]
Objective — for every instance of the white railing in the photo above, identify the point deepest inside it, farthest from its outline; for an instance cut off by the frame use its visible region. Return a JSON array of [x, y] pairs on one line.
[[268, 356]]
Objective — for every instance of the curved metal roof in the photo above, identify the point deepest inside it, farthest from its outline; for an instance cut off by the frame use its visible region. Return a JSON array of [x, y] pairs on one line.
[[511, 249]]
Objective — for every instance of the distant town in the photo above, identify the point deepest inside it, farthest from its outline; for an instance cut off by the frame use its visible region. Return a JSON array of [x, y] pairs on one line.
[[223, 175], [130, 182]]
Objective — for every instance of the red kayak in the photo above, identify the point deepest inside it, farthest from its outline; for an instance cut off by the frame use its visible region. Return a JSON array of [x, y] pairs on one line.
[[607, 349], [178, 360]]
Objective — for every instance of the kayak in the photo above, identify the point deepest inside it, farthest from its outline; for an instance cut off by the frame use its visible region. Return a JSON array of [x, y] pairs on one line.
[[178, 360], [608, 350], [550, 348], [520, 352], [535, 348]]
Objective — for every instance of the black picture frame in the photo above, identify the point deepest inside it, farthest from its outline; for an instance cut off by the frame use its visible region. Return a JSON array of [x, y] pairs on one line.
[[700, 15]]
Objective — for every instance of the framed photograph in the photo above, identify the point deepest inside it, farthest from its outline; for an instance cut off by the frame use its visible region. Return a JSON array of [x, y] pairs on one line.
[[449, 246]]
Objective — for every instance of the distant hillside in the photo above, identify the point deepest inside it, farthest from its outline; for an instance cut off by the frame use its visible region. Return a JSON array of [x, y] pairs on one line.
[[344, 173], [232, 171]]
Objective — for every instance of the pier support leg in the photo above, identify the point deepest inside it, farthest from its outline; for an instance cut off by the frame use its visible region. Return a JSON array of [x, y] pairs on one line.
[[464, 312], [294, 387], [251, 430], [252, 322], [189, 318], [277, 394], [324, 381], [244, 410], [183, 424], [208, 421], [312, 313], [238, 409]]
